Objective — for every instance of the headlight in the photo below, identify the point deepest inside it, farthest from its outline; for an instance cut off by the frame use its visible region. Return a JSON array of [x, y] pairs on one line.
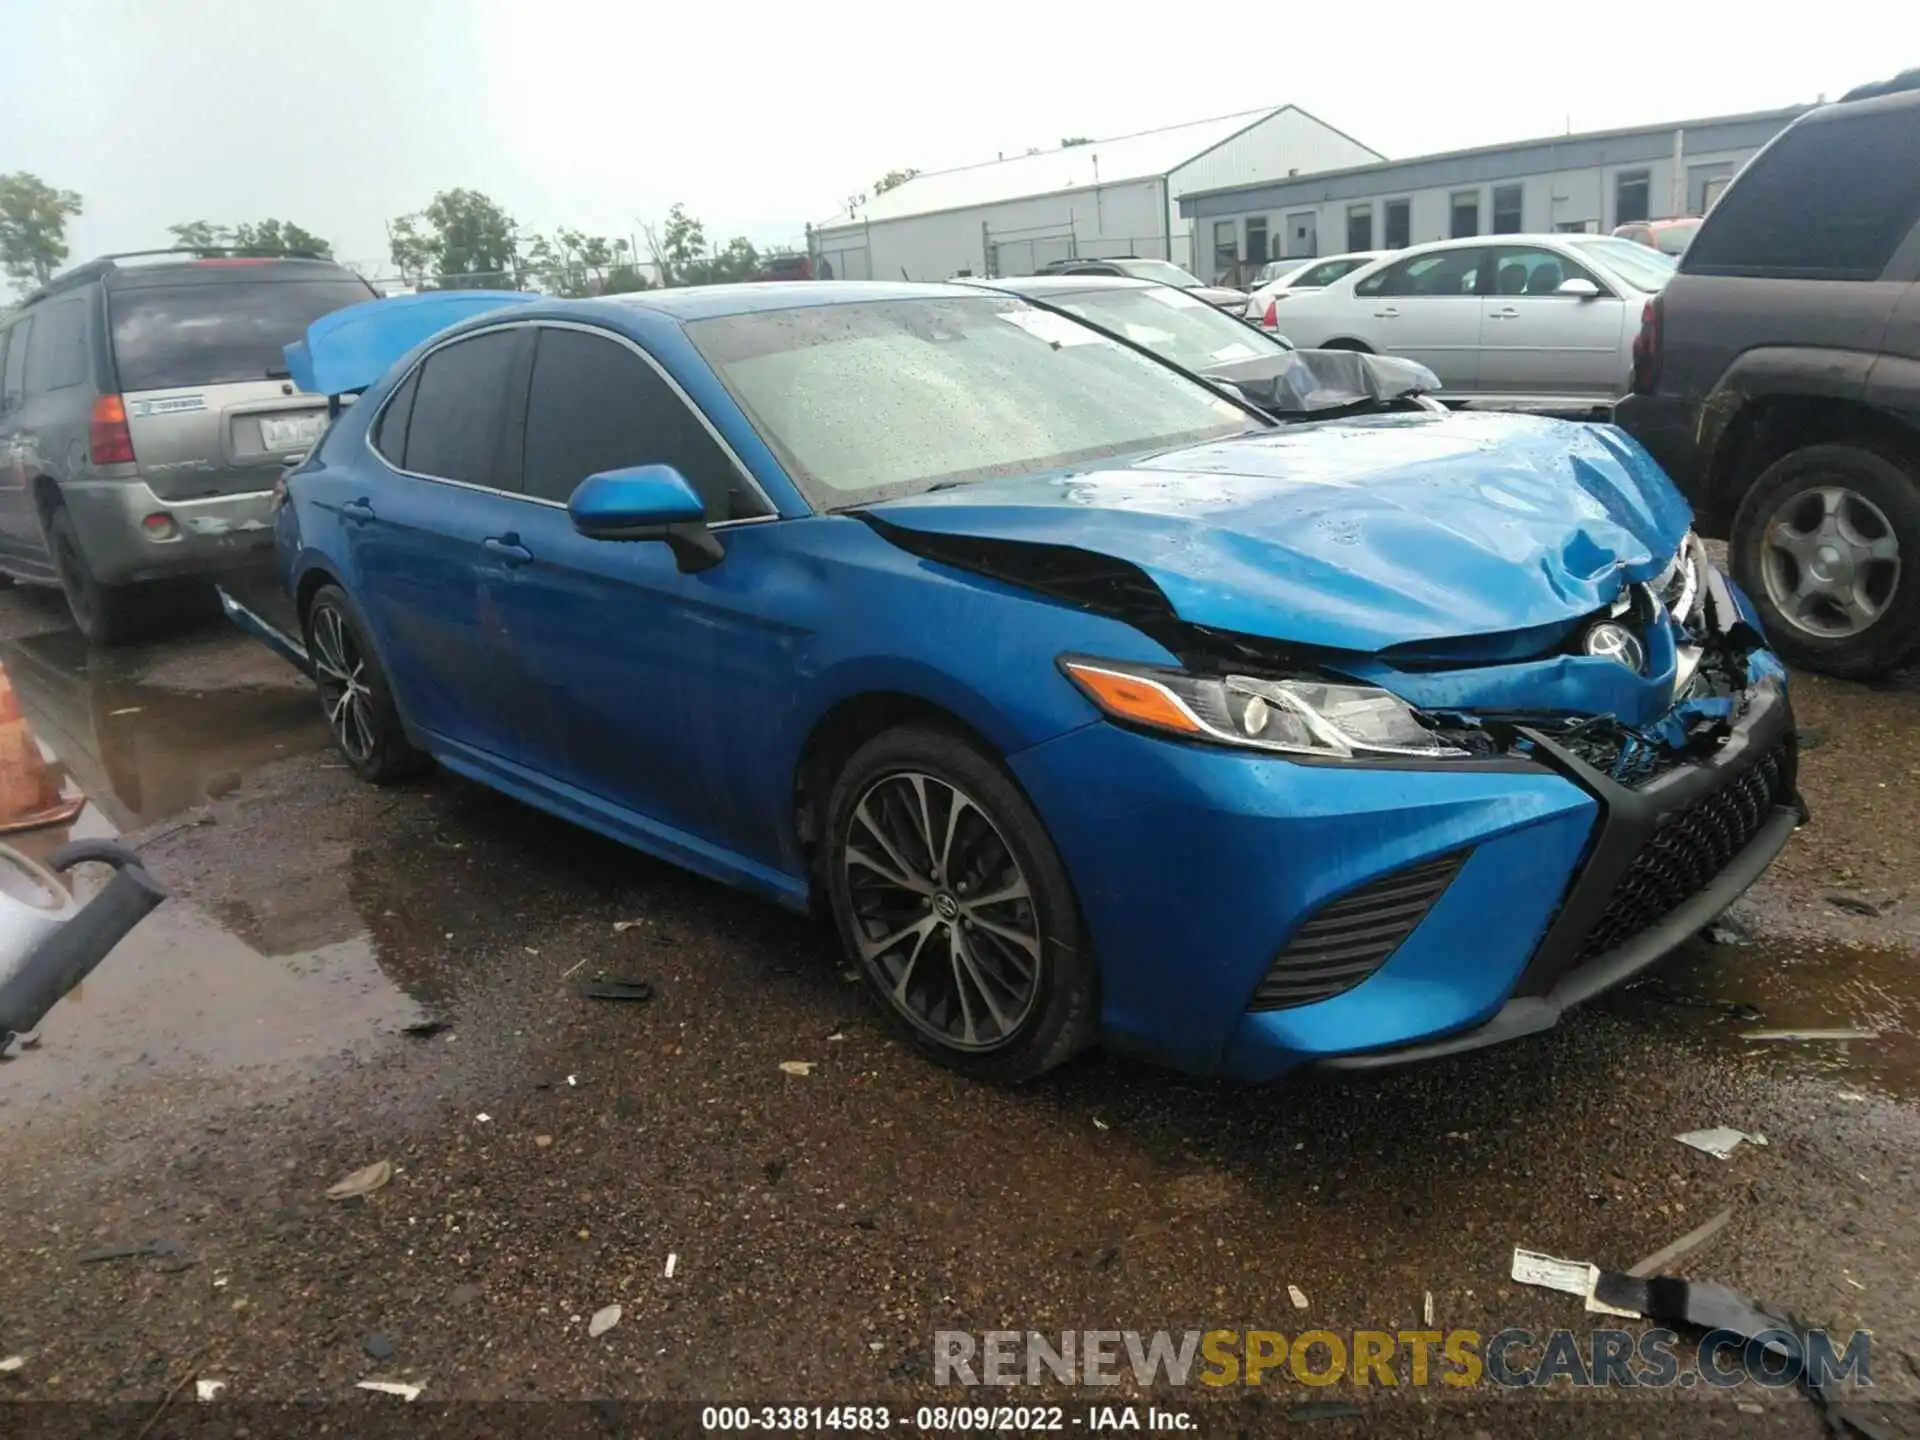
[[1294, 717]]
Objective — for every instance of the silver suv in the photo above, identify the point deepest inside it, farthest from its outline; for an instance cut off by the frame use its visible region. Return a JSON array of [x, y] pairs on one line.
[[145, 413]]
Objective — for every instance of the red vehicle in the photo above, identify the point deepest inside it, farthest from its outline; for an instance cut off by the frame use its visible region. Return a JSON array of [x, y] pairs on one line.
[[1669, 237], [788, 267]]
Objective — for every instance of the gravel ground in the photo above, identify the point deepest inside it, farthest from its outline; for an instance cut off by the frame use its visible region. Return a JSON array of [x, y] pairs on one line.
[[782, 1238]]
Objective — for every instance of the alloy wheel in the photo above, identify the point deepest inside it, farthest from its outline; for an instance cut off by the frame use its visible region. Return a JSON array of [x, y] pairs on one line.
[[1830, 561], [943, 915], [340, 670]]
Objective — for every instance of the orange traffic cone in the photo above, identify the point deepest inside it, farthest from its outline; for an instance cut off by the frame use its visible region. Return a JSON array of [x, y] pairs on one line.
[[29, 792]]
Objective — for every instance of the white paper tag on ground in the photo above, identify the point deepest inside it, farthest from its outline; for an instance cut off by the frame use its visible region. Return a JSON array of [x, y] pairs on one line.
[[1570, 1277]]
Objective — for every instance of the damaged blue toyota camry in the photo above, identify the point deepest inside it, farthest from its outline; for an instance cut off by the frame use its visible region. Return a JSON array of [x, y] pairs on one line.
[[1091, 701]]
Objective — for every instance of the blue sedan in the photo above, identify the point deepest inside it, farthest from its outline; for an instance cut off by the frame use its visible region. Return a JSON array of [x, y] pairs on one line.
[[1091, 703]]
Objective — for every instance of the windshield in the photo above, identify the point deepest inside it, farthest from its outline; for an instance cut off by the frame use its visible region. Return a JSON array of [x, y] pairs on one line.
[[1640, 267], [1183, 328], [216, 334], [1163, 271], [872, 400]]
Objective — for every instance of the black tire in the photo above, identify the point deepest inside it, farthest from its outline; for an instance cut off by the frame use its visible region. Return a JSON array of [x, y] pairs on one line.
[[1057, 1005], [1889, 485], [104, 614], [355, 699], [1358, 346]]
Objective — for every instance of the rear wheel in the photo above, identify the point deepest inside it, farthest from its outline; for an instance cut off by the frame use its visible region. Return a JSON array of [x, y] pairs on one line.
[[1827, 545], [954, 906], [355, 697], [104, 614]]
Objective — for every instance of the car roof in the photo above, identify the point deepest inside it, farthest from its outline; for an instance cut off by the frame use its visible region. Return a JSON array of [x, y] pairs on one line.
[[1066, 284], [703, 302]]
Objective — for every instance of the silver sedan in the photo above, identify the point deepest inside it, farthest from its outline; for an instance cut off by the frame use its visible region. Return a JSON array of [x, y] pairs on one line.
[[1544, 321]]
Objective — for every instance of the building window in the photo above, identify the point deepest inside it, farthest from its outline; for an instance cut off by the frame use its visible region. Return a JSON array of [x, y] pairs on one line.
[[1466, 213], [1360, 227], [1630, 191], [1226, 246], [1257, 240], [1399, 224], [1507, 210]]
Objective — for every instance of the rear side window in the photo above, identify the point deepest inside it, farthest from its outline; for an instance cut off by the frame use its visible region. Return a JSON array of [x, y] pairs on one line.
[[458, 402], [1826, 201], [166, 336], [13, 374], [57, 353], [390, 430], [1442, 272], [595, 405]]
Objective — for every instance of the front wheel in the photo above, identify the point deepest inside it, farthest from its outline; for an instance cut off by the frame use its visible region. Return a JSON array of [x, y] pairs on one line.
[[355, 697], [1827, 545], [954, 906]]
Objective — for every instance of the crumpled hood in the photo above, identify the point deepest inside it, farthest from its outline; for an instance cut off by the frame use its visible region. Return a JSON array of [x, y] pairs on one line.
[[1356, 534]]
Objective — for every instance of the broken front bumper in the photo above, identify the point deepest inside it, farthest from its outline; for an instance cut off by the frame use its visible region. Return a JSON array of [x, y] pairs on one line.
[[1613, 921]]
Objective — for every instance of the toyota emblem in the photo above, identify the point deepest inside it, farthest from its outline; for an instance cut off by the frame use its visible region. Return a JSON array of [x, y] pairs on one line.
[[1609, 641]]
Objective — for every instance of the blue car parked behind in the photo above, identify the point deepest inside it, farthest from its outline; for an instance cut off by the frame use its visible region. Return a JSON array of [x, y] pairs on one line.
[[1092, 703]]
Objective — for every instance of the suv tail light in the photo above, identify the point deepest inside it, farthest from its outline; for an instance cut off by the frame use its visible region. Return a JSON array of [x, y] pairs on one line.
[[109, 442], [1648, 346]]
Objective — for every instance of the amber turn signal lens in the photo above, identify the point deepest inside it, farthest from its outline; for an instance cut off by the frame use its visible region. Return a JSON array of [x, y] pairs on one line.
[[1131, 697]]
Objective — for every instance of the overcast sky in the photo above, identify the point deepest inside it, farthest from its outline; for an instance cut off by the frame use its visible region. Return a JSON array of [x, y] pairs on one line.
[[342, 114]]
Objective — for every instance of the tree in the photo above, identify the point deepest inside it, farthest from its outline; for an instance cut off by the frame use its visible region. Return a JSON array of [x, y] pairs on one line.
[[575, 264], [463, 240], [262, 237], [892, 179], [1067, 142], [33, 227]]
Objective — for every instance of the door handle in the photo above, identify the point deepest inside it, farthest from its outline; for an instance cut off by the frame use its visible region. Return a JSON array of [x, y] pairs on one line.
[[358, 510], [1387, 314], [1507, 314], [507, 548]]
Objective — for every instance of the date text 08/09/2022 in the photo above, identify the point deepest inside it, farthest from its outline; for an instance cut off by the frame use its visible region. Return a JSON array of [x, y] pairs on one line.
[[945, 1419]]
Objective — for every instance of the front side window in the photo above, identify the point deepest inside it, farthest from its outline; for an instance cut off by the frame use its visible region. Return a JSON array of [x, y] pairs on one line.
[[1826, 201], [454, 431], [1631, 192], [166, 336], [868, 401], [1640, 267], [595, 405], [1527, 271], [1437, 273]]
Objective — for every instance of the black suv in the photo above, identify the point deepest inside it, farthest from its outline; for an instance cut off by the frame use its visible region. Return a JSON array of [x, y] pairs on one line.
[[1777, 378]]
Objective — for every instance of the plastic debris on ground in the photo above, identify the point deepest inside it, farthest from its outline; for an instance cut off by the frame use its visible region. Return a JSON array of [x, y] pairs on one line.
[[672, 1261], [617, 990], [207, 1389], [11, 1364], [1426, 1311], [1685, 1245], [363, 1181], [603, 1320], [391, 1387], [1720, 1141], [797, 1067], [1298, 1296], [1570, 1277], [1809, 1034]]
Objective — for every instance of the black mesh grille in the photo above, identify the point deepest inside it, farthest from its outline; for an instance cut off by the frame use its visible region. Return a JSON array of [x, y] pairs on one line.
[[1346, 941], [1690, 849]]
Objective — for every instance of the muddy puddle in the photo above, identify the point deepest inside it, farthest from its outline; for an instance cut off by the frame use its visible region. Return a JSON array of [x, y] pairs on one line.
[[1730, 993], [93, 747]]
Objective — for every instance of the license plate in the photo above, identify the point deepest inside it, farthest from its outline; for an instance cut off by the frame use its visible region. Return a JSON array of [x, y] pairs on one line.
[[291, 432]]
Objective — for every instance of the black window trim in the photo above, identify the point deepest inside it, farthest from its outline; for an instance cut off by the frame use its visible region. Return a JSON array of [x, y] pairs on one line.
[[366, 435]]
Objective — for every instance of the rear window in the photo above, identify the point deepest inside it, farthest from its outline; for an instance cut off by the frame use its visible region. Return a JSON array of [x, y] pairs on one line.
[[1826, 201], [169, 335]]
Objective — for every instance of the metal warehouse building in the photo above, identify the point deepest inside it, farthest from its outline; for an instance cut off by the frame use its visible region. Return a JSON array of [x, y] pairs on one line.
[[1105, 197], [1589, 182]]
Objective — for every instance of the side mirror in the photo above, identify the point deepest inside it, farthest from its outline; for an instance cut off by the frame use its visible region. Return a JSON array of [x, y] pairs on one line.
[[647, 502], [1580, 286]]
